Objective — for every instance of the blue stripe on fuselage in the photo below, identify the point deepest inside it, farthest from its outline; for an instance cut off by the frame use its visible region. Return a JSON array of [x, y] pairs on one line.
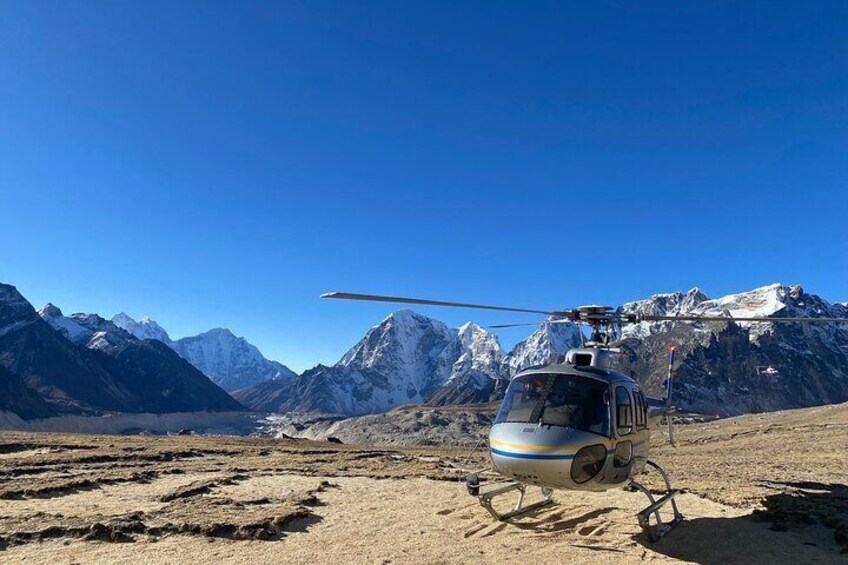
[[531, 455]]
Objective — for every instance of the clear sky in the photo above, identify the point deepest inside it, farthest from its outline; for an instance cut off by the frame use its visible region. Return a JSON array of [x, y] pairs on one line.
[[221, 164]]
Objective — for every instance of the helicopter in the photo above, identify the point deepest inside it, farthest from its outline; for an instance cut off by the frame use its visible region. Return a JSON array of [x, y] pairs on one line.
[[577, 422], [767, 371]]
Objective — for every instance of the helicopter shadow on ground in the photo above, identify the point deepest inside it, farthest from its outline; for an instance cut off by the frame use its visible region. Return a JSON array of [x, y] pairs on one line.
[[806, 522]]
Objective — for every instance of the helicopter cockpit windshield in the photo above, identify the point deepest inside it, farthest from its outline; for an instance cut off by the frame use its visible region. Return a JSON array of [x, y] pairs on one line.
[[570, 401]]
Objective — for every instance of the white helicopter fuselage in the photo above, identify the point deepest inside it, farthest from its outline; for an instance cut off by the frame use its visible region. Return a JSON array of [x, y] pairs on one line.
[[572, 425]]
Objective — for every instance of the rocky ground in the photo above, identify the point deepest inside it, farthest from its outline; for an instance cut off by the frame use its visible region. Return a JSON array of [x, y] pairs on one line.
[[757, 488], [415, 425]]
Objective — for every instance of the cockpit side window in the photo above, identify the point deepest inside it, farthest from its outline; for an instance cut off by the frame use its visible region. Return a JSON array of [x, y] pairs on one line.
[[623, 411]]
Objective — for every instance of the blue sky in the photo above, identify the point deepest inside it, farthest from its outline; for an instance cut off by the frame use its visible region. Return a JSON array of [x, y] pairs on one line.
[[221, 164]]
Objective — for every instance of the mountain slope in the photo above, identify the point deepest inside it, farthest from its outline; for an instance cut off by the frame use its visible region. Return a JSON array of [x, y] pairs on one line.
[[162, 381], [17, 397]]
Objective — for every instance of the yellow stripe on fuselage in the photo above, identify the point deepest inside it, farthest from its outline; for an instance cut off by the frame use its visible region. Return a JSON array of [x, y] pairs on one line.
[[529, 448]]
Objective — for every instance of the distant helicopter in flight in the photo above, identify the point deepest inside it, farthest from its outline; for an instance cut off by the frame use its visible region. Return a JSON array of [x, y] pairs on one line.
[[576, 423]]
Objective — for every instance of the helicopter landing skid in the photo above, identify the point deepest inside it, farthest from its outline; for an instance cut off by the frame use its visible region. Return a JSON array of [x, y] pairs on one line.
[[658, 530], [485, 498]]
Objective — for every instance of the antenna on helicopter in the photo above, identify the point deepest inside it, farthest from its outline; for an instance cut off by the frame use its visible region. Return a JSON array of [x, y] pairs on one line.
[[669, 387]]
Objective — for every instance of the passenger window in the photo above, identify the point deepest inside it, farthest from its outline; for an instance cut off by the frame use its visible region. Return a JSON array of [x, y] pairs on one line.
[[623, 454], [641, 411], [623, 411]]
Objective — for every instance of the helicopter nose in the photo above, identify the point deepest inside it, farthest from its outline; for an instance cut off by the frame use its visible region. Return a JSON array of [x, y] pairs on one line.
[[537, 455]]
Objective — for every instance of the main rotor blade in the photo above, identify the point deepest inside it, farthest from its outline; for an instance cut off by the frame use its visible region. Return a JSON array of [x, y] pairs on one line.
[[425, 302], [501, 326], [743, 319]]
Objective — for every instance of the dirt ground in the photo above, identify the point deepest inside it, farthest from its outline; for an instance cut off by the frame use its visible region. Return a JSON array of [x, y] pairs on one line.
[[764, 488]]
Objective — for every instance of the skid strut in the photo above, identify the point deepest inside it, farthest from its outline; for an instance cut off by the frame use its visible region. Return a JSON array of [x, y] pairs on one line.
[[485, 498], [660, 528]]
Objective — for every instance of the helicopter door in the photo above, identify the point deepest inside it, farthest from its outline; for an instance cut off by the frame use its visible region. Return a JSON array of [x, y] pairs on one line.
[[623, 456]]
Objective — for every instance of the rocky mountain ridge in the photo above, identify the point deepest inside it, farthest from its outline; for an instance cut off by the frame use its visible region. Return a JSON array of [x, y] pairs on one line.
[[726, 368], [739, 367], [409, 359], [84, 364], [230, 361]]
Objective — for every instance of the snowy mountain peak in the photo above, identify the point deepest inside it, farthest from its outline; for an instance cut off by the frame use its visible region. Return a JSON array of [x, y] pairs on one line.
[[470, 331], [774, 300], [406, 320], [546, 342], [122, 319], [144, 329], [694, 297], [482, 349], [479, 340], [407, 336], [89, 330], [50, 310], [763, 301], [669, 304], [220, 334], [230, 361]]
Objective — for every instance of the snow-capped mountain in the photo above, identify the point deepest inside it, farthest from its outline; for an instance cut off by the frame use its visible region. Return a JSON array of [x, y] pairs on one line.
[[409, 346], [721, 364], [723, 367], [481, 350], [673, 304], [409, 358], [142, 329], [404, 359], [54, 364], [230, 361], [775, 300], [479, 370], [546, 342], [89, 330]]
